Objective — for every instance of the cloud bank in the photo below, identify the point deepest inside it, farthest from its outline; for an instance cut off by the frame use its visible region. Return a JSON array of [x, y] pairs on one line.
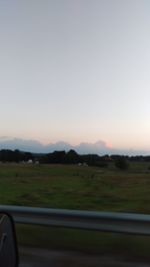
[[100, 147]]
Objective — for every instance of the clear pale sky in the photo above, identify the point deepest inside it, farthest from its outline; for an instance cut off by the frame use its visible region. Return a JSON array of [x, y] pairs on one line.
[[76, 70]]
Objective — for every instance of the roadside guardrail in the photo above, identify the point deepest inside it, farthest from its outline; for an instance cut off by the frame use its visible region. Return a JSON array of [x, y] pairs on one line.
[[116, 222]]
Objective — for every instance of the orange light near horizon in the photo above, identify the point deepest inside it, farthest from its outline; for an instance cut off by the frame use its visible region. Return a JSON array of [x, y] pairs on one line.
[[109, 145]]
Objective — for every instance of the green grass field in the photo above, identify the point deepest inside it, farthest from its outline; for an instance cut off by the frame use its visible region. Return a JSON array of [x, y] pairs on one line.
[[78, 187]]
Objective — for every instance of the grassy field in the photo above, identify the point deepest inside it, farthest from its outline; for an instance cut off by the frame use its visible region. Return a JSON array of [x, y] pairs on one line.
[[79, 187], [76, 187]]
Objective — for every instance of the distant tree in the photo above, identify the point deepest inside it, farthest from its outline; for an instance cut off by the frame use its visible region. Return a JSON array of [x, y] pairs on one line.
[[121, 163], [17, 155], [27, 156], [72, 157], [56, 157], [6, 155]]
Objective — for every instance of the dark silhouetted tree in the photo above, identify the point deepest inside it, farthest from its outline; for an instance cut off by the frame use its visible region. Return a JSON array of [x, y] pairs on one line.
[[121, 163]]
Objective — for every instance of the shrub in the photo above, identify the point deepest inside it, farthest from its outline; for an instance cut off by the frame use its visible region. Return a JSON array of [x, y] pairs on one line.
[[121, 163]]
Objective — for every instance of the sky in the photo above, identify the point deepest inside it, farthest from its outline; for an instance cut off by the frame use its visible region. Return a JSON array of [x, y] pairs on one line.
[[76, 70]]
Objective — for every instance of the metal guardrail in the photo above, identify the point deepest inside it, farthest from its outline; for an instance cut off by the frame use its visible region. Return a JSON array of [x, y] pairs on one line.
[[88, 220]]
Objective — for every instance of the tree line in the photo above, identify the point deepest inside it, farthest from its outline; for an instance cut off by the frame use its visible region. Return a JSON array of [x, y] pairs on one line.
[[70, 157]]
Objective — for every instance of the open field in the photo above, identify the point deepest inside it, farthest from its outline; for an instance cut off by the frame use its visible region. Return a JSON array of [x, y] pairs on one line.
[[79, 187]]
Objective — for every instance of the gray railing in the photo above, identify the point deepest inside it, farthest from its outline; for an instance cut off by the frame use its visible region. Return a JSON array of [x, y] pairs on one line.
[[87, 220]]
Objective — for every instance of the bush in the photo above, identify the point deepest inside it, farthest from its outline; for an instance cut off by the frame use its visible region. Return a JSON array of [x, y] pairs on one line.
[[121, 163]]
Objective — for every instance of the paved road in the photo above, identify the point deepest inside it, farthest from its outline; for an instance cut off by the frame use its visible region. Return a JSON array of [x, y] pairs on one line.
[[30, 257]]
